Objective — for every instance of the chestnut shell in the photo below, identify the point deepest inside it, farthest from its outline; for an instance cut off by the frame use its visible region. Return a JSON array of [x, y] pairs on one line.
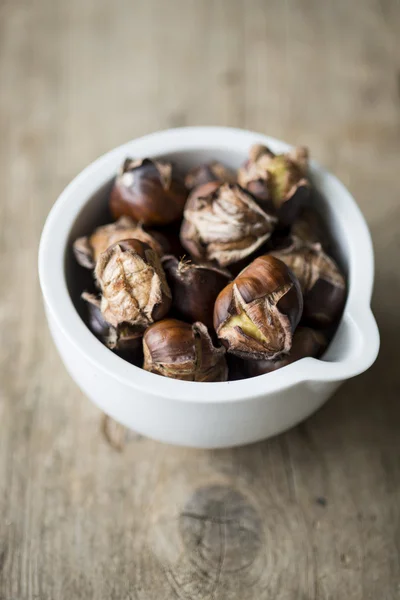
[[176, 349], [256, 314], [148, 192], [306, 342], [194, 288]]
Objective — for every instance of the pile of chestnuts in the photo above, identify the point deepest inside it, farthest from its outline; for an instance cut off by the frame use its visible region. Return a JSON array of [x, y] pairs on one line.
[[216, 275]]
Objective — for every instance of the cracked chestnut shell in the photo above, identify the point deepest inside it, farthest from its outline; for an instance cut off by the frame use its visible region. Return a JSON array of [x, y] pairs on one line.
[[322, 283], [124, 339], [133, 284], [212, 171], [178, 350], [306, 342], [277, 180], [87, 249], [148, 191], [223, 223], [194, 288], [255, 315]]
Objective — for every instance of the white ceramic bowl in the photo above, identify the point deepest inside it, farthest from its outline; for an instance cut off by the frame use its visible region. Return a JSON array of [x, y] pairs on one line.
[[207, 415]]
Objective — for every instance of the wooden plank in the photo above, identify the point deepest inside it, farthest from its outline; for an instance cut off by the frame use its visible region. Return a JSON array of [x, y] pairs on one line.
[[312, 514]]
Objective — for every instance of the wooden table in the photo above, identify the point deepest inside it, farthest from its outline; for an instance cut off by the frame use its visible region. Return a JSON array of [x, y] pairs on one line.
[[312, 514]]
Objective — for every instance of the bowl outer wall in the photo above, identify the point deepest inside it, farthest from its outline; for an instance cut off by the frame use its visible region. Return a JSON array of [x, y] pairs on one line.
[[357, 338]]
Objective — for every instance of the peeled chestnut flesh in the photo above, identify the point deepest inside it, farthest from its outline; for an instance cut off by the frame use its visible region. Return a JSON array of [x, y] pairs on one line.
[[149, 192], [322, 284], [133, 284], [306, 342], [194, 288], [223, 223], [255, 315], [179, 350]]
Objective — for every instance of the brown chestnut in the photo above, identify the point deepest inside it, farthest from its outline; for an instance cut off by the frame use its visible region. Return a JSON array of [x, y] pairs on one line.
[[212, 171], [87, 249], [306, 342], [322, 283], [194, 288], [277, 179], [133, 284], [168, 237], [147, 191], [223, 223], [237, 367], [176, 349], [124, 339], [255, 315], [310, 228]]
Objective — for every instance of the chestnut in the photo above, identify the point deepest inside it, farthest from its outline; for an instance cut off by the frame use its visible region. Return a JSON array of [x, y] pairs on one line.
[[322, 283], [96, 322], [255, 315], [147, 191], [310, 228], [237, 367], [279, 180], [133, 284], [168, 237], [306, 342], [223, 223], [87, 249], [194, 288], [212, 171], [124, 339], [176, 349]]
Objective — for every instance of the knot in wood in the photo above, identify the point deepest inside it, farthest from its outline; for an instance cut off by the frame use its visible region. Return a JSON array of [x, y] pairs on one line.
[[221, 529]]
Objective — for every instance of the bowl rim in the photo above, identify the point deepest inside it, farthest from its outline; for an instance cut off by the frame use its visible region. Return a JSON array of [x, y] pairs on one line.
[[357, 314]]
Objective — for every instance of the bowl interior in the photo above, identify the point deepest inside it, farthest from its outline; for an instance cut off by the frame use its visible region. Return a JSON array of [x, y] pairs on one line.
[[95, 212]]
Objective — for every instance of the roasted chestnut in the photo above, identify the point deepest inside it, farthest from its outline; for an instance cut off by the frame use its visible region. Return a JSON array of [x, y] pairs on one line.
[[148, 191], [310, 228], [306, 342], [87, 249], [223, 223], [168, 237], [322, 283], [255, 315], [133, 284], [278, 180], [194, 288], [125, 339], [176, 349], [212, 171]]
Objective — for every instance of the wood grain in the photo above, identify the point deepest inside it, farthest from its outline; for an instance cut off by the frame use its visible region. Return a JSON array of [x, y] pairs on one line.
[[312, 514]]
